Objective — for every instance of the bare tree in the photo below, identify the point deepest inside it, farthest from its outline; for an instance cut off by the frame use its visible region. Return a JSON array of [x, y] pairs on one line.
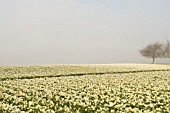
[[153, 50], [166, 50]]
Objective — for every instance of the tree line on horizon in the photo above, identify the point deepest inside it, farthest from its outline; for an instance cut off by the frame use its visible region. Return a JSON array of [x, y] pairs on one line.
[[156, 50]]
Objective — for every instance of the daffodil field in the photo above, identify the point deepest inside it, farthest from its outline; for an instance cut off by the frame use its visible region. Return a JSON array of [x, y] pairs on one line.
[[114, 88]]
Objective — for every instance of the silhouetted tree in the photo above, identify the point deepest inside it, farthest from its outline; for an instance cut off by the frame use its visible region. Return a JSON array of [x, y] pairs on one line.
[[153, 50], [166, 50]]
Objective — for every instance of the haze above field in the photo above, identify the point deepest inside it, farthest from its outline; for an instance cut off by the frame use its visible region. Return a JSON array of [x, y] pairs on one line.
[[80, 31]]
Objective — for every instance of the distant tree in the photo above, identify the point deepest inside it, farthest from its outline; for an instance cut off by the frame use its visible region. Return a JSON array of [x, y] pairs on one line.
[[153, 50], [166, 50]]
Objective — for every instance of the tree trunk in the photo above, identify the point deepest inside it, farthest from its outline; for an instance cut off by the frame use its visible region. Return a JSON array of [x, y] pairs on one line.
[[153, 60]]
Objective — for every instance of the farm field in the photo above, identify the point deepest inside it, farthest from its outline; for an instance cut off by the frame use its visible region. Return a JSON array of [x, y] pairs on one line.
[[136, 88]]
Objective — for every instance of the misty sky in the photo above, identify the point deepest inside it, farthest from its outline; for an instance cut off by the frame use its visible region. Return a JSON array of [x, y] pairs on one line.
[[80, 31]]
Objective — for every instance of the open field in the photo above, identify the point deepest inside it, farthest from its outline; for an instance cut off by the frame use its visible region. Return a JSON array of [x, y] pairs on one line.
[[85, 88]]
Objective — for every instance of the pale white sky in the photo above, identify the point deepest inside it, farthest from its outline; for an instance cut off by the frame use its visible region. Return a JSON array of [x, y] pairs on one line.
[[80, 31]]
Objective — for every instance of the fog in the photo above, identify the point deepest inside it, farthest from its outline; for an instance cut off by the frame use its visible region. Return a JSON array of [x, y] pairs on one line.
[[80, 31]]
